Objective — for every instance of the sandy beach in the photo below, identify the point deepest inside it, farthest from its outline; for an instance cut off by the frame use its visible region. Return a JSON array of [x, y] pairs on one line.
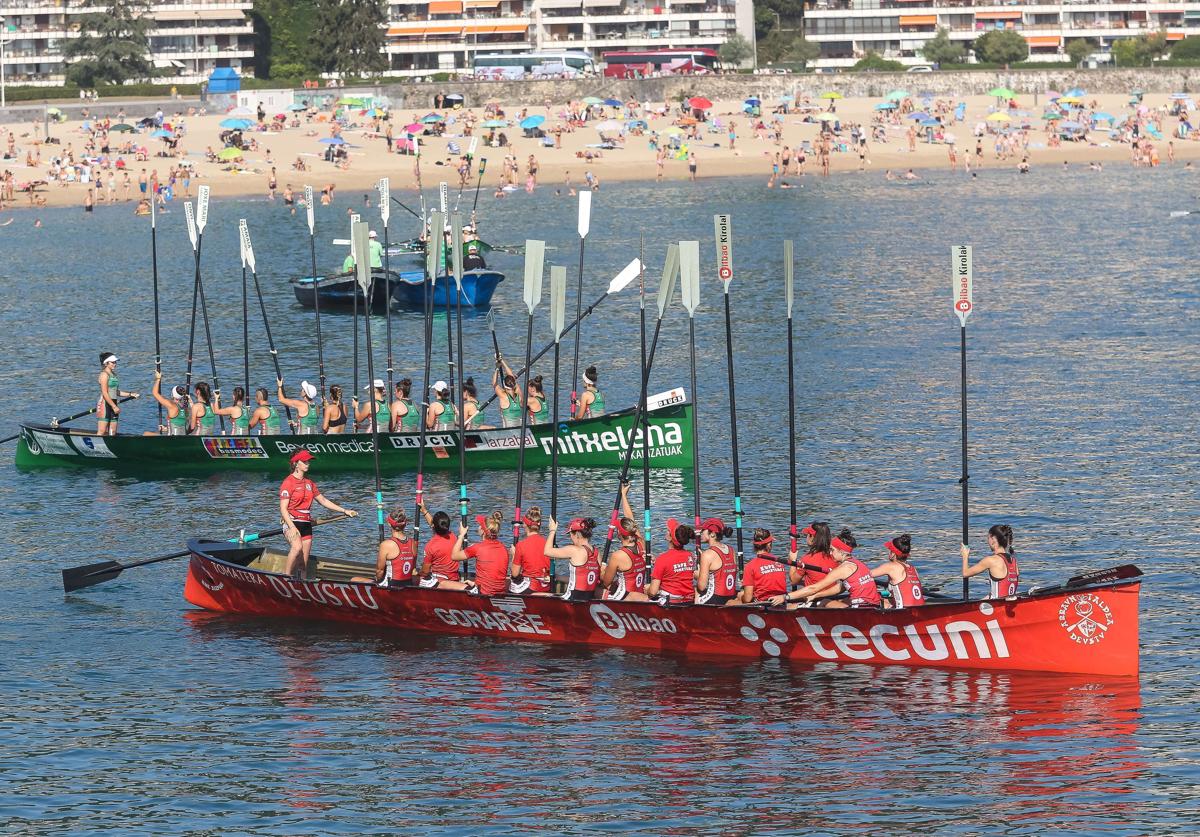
[[895, 143]]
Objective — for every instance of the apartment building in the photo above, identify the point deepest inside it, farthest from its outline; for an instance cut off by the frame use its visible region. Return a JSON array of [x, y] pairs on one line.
[[432, 36], [897, 29], [189, 38]]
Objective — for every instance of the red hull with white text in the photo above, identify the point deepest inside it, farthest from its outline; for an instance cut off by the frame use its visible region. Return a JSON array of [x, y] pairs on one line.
[[1085, 630]]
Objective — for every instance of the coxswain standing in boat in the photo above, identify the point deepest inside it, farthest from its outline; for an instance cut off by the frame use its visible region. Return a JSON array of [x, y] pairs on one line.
[[716, 571], [305, 406], [492, 558], [442, 414], [673, 579], [850, 577], [583, 560], [764, 576], [1001, 565], [623, 576], [508, 395], [174, 407], [473, 258], [530, 570], [334, 418], [904, 584], [591, 401], [395, 565], [383, 411], [108, 411], [265, 416], [376, 256], [239, 417], [296, 496], [203, 419], [438, 568], [406, 418], [817, 558]]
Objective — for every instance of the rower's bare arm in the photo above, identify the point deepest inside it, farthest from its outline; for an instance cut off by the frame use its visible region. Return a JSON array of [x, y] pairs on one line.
[[382, 559], [334, 507]]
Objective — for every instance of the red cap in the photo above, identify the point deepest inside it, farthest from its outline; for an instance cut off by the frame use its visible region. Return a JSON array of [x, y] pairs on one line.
[[895, 550], [481, 521], [576, 525], [672, 525], [808, 530], [838, 543], [301, 455], [714, 525]]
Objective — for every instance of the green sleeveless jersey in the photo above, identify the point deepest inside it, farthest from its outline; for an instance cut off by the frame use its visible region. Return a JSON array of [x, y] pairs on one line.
[[510, 416], [410, 421], [241, 424], [206, 424]]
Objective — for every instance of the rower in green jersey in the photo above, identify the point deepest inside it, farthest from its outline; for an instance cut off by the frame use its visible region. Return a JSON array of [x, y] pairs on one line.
[[441, 414], [204, 420], [238, 414], [508, 395], [175, 409], [406, 418], [307, 412], [108, 412], [265, 416], [382, 410], [538, 405], [591, 401], [473, 417]]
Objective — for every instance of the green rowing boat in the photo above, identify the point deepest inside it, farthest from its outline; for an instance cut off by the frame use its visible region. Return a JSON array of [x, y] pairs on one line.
[[590, 443]]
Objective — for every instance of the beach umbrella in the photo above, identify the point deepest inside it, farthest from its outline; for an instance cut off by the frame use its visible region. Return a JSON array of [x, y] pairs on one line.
[[673, 131], [897, 95], [414, 128], [753, 101], [1179, 97], [295, 107], [454, 97], [161, 134], [826, 117], [1002, 93], [494, 123], [1051, 116], [999, 117], [353, 101], [699, 103], [928, 123], [830, 94], [1071, 126], [331, 141], [1076, 91], [532, 122], [122, 128], [608, 126], [886, 106], [236, 124], [433, 119], [787, 97], [1052, 95], [242, 111], [636, 123], [918, 115], [613, 103], [1101, 116], [229, 154], [592, 100], [1069, 100]]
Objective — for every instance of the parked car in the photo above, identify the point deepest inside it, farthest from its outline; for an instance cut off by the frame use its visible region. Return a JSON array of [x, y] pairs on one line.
[[920, 68]]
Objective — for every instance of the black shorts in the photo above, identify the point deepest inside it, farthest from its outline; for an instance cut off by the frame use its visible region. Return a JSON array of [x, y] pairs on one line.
[[304, 527], [580, 596], [718, 601]]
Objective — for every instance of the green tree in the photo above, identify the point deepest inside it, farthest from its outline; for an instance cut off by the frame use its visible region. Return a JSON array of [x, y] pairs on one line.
[[1079, 49], [941, 50], [113, 46], [1001, 46], [874, 62], [736, 50], [801, 52], [351, 37], [1140, 51], [1187, 50], [282, 29], [787, 47]]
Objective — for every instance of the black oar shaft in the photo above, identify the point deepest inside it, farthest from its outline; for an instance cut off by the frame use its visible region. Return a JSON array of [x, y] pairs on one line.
[[58, 422], [245, 336], [154, 272], [428, 288], [733, 436], [966, 592], [400, 204], [374, 422], [791, 437], [262, 307], [212, 360], [195, 304], [312, 250], [524, 428], [387, 303], [695, 420], [578, 332]]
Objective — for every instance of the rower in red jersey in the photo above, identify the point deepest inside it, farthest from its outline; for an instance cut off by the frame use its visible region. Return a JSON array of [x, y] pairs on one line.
[[765, 575], [395, 565], [296, 495], [530, 571], [851, 576], [904, 585], [673, 579], [439, 569], [1001, 565], [716, 571], [492, 558], [623, 576], [816, 562], [584, 567]]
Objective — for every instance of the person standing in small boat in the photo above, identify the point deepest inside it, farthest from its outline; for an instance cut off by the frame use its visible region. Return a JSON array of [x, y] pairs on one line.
[[673, 579], [383, 411], [265, 416], [405, 416], [204, 420], [334, 418], [583, 561], [508, 395], [591, 401], [536, 403], [395, 564], [764, 576], [438, 568], [904, 584], [851, 576], [716, 571], [1001, 565], [492, 558], [296, 496], [108, 411], [305, 406], [442, 414], [473, 417], [530, 570], [623, 576], [238, 415], [175, 409]]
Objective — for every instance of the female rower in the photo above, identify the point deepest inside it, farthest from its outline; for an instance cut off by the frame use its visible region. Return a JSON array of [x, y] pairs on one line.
[[296, 495], [333, 419], [264, 414], [439, 569], [108, 412], [673, 578], [382, 414], [584, 563], [623, 576], [305, 406], [204, 420], [817, 562], [904, 585], [716, 571], [530, 570], [764, 577], [473, 417], [396, 562], [508, 396], [239, 417], [175, 408], [405, 417], [441, 414], [491, 556], [851, 576], [536, 403], [591, 401], [1001, 565]]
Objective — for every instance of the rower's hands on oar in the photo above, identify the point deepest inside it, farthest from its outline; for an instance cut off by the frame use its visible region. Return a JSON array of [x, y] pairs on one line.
[[776, 601], [553, 528], [965, 552]]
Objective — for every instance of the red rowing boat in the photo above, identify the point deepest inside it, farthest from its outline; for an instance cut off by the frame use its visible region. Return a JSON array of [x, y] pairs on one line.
[[1087, 626]]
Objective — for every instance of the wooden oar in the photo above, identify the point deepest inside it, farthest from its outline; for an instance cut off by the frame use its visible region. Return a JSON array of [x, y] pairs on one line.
[[961, 269], [385, 213], [312, 251], [456, 240], [431, 258], [1094, 577], [89, 575], [584, 226], [201, 220], [788, 296], [723, 235], [243, 236], [361, 233], [154, 270], [645, 414], [58, 422], [534, 262], [689, 272], [358, 257], [248, 258], [444, 203], [491, 322], [478, 183], [558, 316], [400, 204]]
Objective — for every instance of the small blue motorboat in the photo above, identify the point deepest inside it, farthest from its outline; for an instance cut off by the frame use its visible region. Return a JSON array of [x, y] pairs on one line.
[[477, 289], [338, 290]]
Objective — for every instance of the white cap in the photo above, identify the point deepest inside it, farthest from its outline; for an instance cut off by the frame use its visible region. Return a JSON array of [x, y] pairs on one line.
[[109, 359], [308, 389], [374, 234], [178, 392], [440, 386], [377, 383]]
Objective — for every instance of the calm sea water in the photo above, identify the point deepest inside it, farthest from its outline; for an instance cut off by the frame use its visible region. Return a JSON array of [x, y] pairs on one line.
[[126, 710]]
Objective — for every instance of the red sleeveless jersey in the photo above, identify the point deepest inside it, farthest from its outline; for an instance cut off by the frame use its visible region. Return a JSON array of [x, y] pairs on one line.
[[861, 585], [816, 559], [402, 565], [675, 570], [299, 494], [908, 592], [1006, 586], [723, 580], [585, 578], [632, 580]]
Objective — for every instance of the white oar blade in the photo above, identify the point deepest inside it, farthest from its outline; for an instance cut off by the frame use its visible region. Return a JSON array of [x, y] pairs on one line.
[[627, 275], [961, 268], [444, 198], [153, 215], [202, 209], [247, 246], [723, 236], [416, 147], [456, 240], [190, 217], [471, 148], [308, 206], [361, 236], [535, 257], [788, 272], [433, 245], [689, 275], [558, 300], [670, 277], [385, 200], [585, 212]]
